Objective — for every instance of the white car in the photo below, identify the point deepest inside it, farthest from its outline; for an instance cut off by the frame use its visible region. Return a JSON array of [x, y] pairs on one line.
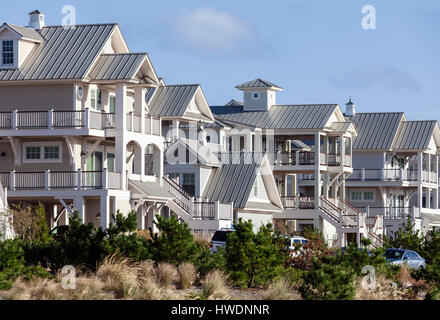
[[293, 245]]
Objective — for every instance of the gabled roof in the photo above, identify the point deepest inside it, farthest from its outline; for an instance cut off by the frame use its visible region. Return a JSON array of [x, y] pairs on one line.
[[234, 103], [170, 100], [279, 117], [376, 131], [258, 83], [27, 33], [414, 135], [232, 183], [174, 101], [117, 66], [66, 53]]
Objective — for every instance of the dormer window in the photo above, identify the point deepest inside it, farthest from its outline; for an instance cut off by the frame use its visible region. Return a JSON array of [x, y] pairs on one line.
[[256, 95], [8, 52]]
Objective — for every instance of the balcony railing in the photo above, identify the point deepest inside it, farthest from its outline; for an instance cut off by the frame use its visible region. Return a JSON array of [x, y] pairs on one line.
[[392, 213], [49, 180], [298, 202], [384, 175], [301, 158], [51, 119]]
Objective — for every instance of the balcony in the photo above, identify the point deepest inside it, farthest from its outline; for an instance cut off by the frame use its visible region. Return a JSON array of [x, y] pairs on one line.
[[81, 119], [307, 158], [298, 203], [407, 175], [51, 180], [392, 213]]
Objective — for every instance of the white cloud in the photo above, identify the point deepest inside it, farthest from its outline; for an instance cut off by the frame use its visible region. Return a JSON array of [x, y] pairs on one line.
[[211, 30]]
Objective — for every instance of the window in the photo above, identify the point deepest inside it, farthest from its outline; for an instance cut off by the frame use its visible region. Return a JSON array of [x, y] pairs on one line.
[[112, 104], [51, 152], [189, 183], [256, 95], [369, 196], [356, 196], [33, 153], [362, 196], [255, 189], [42, 152], [8, 52], [111, 162], [96, 99]]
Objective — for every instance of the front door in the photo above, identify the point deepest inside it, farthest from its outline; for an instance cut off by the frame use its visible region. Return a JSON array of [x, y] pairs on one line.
[[94, 169]]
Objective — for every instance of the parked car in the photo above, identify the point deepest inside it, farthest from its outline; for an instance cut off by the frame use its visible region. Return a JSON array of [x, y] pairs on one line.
[[59, 232], [403, 256], [293, 244], [219, 239]]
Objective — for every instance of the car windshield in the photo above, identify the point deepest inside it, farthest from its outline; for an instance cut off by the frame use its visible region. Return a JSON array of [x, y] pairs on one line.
[[394, 254], [220, 236]]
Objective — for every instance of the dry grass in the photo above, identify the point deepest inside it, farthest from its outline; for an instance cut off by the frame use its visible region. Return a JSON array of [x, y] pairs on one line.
[[280, 289], [214, 286], [166, 274], [118, 276], [187, 275], [385, 290]]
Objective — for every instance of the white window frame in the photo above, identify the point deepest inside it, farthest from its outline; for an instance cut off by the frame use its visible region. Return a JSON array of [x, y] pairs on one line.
[[8, 65], [255, 188], [42, 146]]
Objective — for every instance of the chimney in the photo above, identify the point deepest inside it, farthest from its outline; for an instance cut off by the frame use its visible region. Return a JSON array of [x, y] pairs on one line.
[[350, 110], [36, 20]]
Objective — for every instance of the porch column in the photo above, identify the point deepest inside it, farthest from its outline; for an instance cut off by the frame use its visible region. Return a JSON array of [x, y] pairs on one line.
[[419, 166], [175, 133], [158, 163], [317, 150], [139, 106], [248, 142], [419, 196], [78, 204], [105, 212], [342, 152], [121, 128]]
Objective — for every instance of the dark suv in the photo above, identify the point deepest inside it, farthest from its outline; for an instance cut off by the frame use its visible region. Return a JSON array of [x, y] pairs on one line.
[[219, 240]]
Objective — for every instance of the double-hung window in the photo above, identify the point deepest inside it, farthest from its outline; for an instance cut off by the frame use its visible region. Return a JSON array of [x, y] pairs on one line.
[[41, 152], [189, 184], [8, 52]]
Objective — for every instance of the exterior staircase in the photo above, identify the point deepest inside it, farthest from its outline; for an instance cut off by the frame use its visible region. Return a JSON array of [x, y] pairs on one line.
[[200, 215], [348, 219]]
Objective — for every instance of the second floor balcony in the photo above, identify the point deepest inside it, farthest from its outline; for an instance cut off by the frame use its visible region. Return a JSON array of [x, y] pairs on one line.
[[74, 122], [393, 175]]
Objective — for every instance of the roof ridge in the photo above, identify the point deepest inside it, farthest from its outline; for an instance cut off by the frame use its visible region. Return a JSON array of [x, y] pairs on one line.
[[83, 25], [181, 85], [122, 54], [395, 112]]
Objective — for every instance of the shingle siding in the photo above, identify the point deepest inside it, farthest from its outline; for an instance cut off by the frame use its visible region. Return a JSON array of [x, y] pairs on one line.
[[36, 97]]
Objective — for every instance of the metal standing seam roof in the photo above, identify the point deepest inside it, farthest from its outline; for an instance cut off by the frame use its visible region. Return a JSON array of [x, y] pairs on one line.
[[25, 32], [66, 53], [279, 117], [414, 135], [232, 183], [151, 189], [172, 100], [376, 131], [117, 66], [258, 83], [206, 154]]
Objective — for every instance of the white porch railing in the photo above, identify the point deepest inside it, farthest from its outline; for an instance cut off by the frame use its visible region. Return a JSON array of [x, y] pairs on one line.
[[384, 175], [48, 180]]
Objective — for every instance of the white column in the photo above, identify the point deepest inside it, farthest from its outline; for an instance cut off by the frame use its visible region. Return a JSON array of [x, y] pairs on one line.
[[139, 105], [317, 150], [176, 130], [78, 204], [105, 212], [121, 127], [419, 166]]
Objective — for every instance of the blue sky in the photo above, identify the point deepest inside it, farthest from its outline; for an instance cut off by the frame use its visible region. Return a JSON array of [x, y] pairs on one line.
[[316, 50]]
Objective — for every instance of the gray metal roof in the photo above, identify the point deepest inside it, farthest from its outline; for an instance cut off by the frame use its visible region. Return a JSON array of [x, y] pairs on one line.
[[117, 66], [376, 130], [170, 100], [150, 189], [414, 135], [234, 103], [232, 183], [258, 83], [25, 32], [67, 53], [206, 154], [279, 117]]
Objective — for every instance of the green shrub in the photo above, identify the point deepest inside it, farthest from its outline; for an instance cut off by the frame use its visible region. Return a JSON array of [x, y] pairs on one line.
[[254, 259], [174, 243], [328, 281], [12, 265]]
